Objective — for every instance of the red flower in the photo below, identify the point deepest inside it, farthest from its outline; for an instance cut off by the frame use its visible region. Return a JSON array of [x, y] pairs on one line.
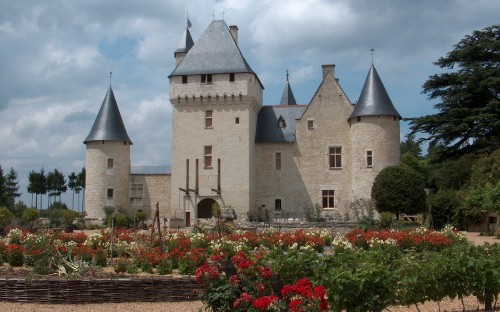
[[266, 272], [264, 302], [295, 305]]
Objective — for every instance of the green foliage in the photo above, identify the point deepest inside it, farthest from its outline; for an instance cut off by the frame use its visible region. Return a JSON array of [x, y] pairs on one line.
[[30, 216], [452, 174], [386, 219], [140, 217], [55, 214], [399, 190], [18, 209], [486, 170], [467, 117], [481, 200], [411, 147], [121, 220], [69, 216], [5, 217], [164, 267], [445, 206]]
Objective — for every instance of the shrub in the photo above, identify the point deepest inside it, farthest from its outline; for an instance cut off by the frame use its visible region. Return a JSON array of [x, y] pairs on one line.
[[5, 217], [386, 219], [30, 216], [399, 190], [15, 255]]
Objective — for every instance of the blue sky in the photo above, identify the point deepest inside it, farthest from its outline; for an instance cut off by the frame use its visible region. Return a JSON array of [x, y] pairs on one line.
[[56, 57]]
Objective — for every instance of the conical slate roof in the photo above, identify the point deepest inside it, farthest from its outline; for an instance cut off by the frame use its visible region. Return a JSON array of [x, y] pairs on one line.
[[186, 42], [374, 99], [108, 125], [215, 52], [287, 98]]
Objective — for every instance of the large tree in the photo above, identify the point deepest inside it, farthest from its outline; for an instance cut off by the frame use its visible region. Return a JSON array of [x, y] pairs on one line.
[[467, 121], [12, 188]]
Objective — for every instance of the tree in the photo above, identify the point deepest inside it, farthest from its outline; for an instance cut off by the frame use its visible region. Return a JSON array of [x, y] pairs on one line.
[[5, 217], [73, 184], [11, 188], [467, 119], [399, 190], [486, 170], [3, 189], [81, 185], [411, 146]]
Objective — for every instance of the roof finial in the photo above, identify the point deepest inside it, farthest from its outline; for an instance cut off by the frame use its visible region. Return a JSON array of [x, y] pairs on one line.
[[110, 76], [287, 75], [371, 52], [188, 21]]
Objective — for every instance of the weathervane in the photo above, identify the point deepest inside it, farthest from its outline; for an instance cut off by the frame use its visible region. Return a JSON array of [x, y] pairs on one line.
[[287, 75], [110, 76], [371, 52]]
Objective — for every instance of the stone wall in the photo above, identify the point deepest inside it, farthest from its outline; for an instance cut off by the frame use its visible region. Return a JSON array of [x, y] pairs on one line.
[[156, 189]]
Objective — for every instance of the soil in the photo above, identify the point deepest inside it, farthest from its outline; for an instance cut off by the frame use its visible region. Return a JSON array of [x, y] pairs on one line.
[[470, 303]]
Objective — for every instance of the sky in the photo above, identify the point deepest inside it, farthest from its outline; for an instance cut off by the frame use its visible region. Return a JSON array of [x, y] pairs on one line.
[[56, 56]]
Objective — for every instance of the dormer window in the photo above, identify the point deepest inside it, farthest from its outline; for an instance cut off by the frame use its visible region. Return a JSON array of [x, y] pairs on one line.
[[281, 123]]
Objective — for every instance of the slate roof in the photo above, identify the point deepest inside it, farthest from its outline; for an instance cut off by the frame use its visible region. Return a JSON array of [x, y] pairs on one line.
[[287, 98], [267, 123], [374, 99], [108, 125], [186, 42], [215, 52]]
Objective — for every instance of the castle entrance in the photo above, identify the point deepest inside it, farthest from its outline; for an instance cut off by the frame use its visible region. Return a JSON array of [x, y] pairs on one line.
[[205, 208]]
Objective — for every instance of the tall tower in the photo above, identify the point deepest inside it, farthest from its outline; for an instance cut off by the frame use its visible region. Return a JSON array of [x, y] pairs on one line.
[[107, 161], [215, 97], [374, 133]]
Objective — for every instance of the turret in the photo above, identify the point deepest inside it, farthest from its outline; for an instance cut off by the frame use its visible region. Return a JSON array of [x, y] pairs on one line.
[[374, 134], [107, 161], [287, 98]]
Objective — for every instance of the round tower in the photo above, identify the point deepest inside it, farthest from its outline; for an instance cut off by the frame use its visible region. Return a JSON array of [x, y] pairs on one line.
[[374, 134], [107, 161]]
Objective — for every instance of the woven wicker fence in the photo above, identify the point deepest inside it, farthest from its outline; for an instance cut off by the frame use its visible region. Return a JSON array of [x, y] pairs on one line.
[[151, 289]]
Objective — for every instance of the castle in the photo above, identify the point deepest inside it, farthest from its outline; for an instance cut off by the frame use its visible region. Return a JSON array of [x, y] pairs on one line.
[[229, 148]]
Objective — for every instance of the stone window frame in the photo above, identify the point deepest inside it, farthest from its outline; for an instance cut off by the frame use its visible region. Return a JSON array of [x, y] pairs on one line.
[[327, 198], [208, 156], [310, 124], [278, 202], [278, 160], [209, 116], [369, 158], [335, 156], [110, 163], [110, 192]]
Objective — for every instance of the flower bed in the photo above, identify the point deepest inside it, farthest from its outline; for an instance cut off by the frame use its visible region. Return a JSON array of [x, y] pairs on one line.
[[272, 270]]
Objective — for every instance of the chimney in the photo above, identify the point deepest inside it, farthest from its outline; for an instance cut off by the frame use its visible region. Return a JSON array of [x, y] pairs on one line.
[[234, 31], [328, 69]]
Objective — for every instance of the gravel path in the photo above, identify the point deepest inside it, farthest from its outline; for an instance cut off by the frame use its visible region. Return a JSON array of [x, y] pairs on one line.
[[471, 303]]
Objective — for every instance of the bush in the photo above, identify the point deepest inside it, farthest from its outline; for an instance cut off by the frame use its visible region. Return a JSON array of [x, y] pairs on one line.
[[445, 206], [5, 217], [386, 219], [30, 216], [399, 190]]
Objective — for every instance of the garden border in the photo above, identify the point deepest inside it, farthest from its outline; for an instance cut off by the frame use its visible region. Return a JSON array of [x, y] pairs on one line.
[[63, 291]]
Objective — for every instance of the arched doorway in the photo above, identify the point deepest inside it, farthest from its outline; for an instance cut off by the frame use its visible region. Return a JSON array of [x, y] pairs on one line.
[[205, 208]]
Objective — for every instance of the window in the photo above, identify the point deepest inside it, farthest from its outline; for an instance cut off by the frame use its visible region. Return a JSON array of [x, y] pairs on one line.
[[278, 161], [359, 118], [281, 122], [328, 198], [369, 159], [109, 193], [208, 119], [237, 120], [277, 204], [231, 77], [111, 163], [206, 78], [136, 193], [184, 79], [310, 124], [208, 156], [335, 157]]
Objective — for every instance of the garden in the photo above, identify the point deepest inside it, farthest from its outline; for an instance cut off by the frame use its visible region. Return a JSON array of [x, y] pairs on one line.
[[275, 270]]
